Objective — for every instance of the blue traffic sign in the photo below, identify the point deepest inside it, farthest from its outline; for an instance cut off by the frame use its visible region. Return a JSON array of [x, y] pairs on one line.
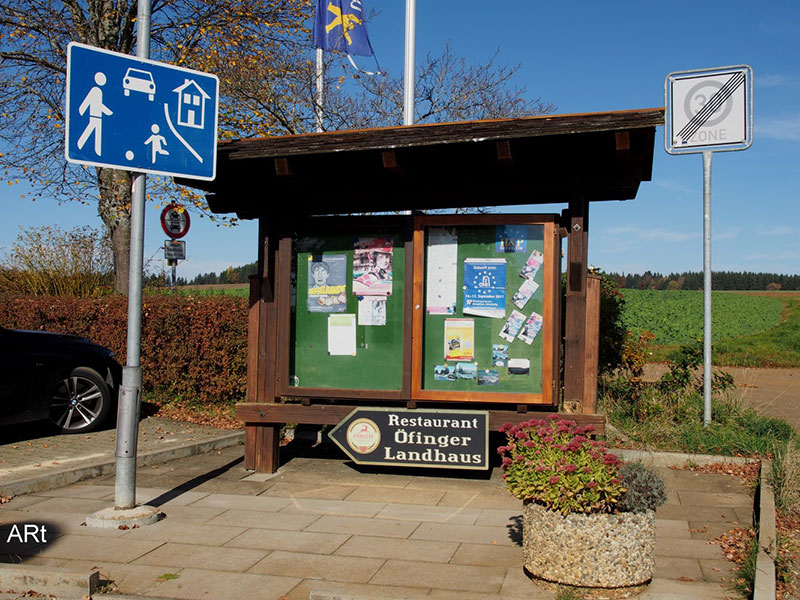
[[140, 115]]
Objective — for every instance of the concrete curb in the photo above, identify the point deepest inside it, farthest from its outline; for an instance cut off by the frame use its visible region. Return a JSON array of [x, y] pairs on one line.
[[70, 475], [22, 578], [764, 584], [669, 459]]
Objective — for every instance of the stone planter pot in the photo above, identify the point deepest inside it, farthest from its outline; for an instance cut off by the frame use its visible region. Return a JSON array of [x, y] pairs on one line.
[[607, 555]]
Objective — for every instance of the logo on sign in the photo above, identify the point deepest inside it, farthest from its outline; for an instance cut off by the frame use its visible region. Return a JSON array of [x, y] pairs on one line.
[[363, 436]]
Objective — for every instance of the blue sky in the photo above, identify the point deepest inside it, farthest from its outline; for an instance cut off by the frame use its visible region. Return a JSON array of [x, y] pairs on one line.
[[587, 57]]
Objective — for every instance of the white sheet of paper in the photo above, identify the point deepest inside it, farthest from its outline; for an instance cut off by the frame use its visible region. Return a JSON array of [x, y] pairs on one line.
[[441, 280], [342, 335]]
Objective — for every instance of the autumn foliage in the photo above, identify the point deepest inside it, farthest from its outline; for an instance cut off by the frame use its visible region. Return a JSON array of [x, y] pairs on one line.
[[193, 349]]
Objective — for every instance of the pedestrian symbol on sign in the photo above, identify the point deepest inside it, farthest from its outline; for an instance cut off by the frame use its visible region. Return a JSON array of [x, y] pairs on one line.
[[94, 104]]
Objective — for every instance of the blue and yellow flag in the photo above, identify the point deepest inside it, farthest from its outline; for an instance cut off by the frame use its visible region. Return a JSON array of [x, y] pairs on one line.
[[339, 25]]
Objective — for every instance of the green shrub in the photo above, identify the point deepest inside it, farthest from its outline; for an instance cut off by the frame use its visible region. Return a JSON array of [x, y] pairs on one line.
[[644, 489], [553, 463]]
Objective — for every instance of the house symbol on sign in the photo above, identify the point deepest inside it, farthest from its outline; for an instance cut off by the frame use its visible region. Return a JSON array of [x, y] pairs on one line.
[[191, 104]]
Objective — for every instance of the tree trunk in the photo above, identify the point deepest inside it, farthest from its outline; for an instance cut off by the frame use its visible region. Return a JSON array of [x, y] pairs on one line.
[[115, 210]]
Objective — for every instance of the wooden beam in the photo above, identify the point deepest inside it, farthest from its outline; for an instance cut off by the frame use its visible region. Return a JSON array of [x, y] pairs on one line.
[[593, 284], [333, 414], [283, 168], [623, 139], [504, 152], [575, 322]]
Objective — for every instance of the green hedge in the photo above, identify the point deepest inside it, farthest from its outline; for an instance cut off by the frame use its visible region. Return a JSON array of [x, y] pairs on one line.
[[193, 348]]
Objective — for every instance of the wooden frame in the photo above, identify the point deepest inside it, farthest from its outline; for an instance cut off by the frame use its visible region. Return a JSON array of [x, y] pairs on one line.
[[550, 326], [404, 226]]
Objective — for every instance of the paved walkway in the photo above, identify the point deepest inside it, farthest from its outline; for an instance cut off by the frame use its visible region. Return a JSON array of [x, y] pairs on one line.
[[322, 528]]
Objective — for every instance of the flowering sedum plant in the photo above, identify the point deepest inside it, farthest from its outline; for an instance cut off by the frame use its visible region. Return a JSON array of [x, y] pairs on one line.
[[553, 463]]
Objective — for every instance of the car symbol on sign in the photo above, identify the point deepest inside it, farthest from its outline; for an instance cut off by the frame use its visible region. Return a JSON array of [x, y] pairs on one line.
[[139, 81]]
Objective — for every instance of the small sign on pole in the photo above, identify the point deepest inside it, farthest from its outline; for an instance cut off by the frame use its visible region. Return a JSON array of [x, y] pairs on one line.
[[174, 250], [175, 221], [708, 110]]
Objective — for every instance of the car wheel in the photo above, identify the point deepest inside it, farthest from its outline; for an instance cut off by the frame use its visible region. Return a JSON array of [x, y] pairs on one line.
[[80, 402]]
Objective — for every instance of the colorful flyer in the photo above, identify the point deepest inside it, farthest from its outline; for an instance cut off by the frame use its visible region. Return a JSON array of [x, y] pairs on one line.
[[327, 283], [531, 328], [511, 238], [499, 355], [524, 293], [519, 366], [485, 287], [531, 267], [372, 310], [512, 326], [441, 283], [342, 335], [466, 370], [488, 377], [372, 266], [444, 373], [459, 339]]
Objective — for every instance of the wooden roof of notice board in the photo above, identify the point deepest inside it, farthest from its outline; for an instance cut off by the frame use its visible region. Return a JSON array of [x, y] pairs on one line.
[[530, 160]]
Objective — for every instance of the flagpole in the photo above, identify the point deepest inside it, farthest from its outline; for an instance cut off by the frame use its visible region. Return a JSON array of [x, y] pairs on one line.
[[320, 81], [408, 103]]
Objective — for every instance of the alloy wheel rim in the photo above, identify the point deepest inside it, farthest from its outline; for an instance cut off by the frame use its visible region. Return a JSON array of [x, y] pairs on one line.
[[76, 403]]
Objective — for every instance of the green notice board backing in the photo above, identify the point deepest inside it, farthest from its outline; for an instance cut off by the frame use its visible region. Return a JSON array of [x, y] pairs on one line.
[[485, 309], [347, 310]]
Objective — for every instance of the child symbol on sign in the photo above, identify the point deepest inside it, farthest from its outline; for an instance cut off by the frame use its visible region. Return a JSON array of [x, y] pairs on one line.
[[155, 141]]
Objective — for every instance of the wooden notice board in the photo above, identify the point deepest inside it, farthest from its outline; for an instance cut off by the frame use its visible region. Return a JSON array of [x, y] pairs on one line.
[[347, 297], [484, 300]]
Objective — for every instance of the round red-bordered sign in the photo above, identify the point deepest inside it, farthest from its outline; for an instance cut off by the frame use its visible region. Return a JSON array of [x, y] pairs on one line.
[[175, 222]]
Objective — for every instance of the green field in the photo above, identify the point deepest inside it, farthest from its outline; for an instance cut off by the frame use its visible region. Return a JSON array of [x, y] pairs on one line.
[[747, 329]]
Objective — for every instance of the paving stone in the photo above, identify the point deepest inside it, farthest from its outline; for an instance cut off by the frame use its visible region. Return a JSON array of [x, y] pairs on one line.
[[687, 548], [97, 548], [23, 502], [380, 547], [316, 589], [668, 589], [487, 556], [385, 528], [441, 576], [318, 566], [672, 528], [263, 520], [717, 571], [463, 533], [517, 584], [397, 495], [295, 541], [194, 583], [716, 498], [177, 531], [331, 507], [305, 490], [167, 497], [80, 506], [500, 517], [673, 567], [214, 558], [436, 514], [237, 502], [717, 514], [193, 514], [128, 579], [81, 490], [710, 531], [34, 561], [481, 500]]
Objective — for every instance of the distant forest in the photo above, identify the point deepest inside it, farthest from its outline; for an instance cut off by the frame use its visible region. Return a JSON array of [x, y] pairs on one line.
[[720, 280]]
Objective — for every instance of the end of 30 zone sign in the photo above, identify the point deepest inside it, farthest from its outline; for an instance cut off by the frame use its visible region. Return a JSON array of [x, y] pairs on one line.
[[709, 109]]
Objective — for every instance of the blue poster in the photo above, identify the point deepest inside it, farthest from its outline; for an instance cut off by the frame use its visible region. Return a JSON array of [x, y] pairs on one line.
[[485, 287]]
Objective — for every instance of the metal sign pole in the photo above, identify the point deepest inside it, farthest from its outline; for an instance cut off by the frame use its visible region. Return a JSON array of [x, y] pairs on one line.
[[707, 154], [130, 390], [410, 60]]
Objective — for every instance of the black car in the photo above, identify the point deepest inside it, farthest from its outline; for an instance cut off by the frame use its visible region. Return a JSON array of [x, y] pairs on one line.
[[64, 378]]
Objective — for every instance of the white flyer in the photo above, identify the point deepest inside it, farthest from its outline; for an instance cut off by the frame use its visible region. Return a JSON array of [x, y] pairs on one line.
[[342, 334], [441, 279]]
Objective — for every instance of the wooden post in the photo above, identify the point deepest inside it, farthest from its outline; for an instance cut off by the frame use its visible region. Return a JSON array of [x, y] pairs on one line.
[[575, 321], [262, 440], [592, 344]]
